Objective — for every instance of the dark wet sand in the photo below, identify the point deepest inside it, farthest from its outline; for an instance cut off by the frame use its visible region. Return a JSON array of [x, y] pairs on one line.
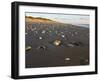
[[56, 57]]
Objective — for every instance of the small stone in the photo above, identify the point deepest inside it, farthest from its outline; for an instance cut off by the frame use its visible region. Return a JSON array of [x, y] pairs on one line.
[[43, 31], [63, 36], [67, 59], [28, 48], [40, 38], [57, 42], [70, 45]]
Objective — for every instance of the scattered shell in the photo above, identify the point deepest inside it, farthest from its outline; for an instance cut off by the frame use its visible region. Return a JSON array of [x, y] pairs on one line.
[[63, 36], [67, 59], [70, 45], [57, 42], [28, 48], [40, 38], [43, 31]]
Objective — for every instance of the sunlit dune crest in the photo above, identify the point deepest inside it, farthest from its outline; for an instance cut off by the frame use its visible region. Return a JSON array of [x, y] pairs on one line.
[[38, 19]]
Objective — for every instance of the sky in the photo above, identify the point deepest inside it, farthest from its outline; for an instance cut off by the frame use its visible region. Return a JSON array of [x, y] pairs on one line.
[[75, 19]]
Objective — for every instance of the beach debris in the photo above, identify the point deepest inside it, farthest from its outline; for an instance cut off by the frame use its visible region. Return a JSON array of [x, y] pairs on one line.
[[57, 42], [70, 45], [42, 47], [43, 31], [40, 38], [67, 59], [63, 36], [28, 48]]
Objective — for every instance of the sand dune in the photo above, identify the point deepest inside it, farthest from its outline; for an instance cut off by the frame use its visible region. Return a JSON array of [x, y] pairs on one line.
[[38, 19]]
